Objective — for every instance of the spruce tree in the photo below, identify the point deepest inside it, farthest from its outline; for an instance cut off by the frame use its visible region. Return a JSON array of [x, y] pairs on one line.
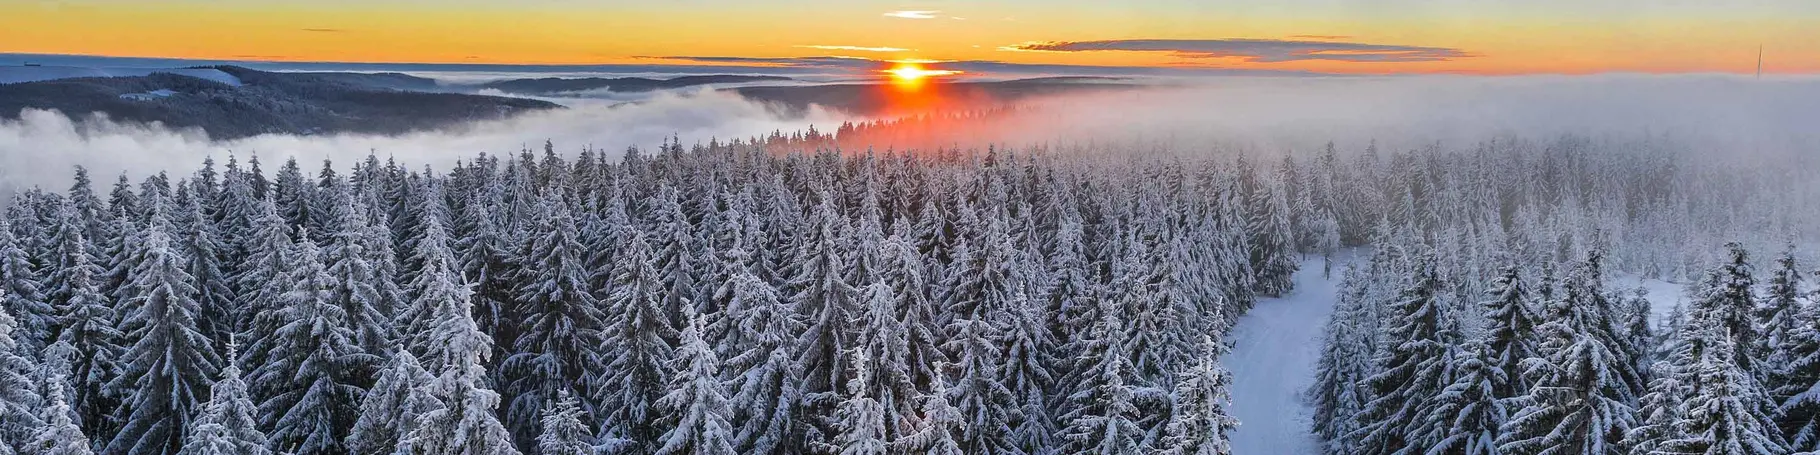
[[1723, 415], [1199, 424], [390, 409], [1510, 333], [165, 373], [87, 320], [1582, 399], [1414, 367], [1101, 416], [940, 421], [558, 349], [465, 423], [226, 425], [564, 433], [58, 434], [19, 400], [640, 349], [308, 386], [1466, 416], [696, 408], [21, 293]]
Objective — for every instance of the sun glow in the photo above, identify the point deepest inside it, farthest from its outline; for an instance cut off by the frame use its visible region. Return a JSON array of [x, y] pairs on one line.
[[912, 72]]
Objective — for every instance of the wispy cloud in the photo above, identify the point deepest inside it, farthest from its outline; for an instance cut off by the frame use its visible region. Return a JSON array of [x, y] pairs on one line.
[[913, 14], [840, 64], [323, 30], [853, 48], [1320, 37], [1257, 50]]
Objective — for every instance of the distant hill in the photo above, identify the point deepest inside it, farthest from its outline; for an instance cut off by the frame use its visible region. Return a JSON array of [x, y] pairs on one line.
[[265, 102], [553, 85]]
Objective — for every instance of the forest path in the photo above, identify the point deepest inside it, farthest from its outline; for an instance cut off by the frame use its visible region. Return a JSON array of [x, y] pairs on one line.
[[1273, 362]]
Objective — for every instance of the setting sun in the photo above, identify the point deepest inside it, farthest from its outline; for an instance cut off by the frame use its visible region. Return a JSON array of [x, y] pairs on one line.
[[914, 72]]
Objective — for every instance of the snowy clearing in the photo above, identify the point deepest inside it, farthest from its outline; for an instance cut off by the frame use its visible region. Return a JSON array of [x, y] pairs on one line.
[[1278, 343]]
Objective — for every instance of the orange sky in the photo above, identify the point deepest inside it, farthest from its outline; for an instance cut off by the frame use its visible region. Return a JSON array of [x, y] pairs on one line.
[[1498, 36]]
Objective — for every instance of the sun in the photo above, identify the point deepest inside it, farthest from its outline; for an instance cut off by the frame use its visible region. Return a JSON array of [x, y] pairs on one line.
[[911, 73]]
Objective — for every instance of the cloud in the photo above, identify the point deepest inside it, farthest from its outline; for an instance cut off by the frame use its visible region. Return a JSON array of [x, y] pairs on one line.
[[1321, 37], [1257, 50], [975, 67], [853, 48], [323, 30], [913, 14]]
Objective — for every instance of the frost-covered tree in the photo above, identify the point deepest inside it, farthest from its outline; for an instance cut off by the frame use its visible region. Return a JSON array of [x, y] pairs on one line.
[[1199, 423], [88, 324], [21, 293], [226, 425], [564, 433], [1582, 399], [559, 346], [1466, 415], [1415, 366], [765, 381], [58, 433], [940, 421], [165, 374], [862, 418], [389, 410], [308, 387], [1510, 333], [465, 423], [640, 349], [355, 281], [696, 409], [1723, 415], [19, 400], [1101, 417]]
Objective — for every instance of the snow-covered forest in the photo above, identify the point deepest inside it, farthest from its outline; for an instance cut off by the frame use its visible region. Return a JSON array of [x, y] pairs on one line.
[[732, 298]]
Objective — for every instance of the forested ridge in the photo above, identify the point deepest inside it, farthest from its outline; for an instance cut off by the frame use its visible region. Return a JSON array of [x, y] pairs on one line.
[[732, 298]]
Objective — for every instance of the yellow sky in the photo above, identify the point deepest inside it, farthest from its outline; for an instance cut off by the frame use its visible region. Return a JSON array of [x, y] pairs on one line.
[[1500, 38]]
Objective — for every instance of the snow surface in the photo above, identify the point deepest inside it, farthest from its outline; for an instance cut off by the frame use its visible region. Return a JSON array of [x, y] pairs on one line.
[[17, 74], [1277, 345]]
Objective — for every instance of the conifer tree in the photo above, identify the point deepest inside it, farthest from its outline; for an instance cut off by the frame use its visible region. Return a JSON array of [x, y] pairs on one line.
[[1199, 424], [1101, 416], [355, 282], [558, 348], [390, 409], [308, 386], [1467, 414], [696, 408], [465, 423], [21, 293], [862, 419], [639, 342], [564, 433], [165, 373], [1414, 367], [940, 421], [87, 320], [765, 379], [1723, 415], [226, 425], [19, 400], [1510, 335], [58, 434], [1582, 399]]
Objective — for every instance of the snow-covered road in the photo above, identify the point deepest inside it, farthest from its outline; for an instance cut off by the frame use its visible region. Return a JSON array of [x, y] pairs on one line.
[[1278, 343]]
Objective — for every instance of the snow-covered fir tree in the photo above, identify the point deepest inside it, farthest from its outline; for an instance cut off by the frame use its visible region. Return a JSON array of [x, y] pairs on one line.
[[226, 424], [165, 374], [695, 410]]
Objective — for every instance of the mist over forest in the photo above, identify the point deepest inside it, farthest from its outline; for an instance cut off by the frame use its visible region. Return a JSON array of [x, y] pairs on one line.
[[1609, 264]]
